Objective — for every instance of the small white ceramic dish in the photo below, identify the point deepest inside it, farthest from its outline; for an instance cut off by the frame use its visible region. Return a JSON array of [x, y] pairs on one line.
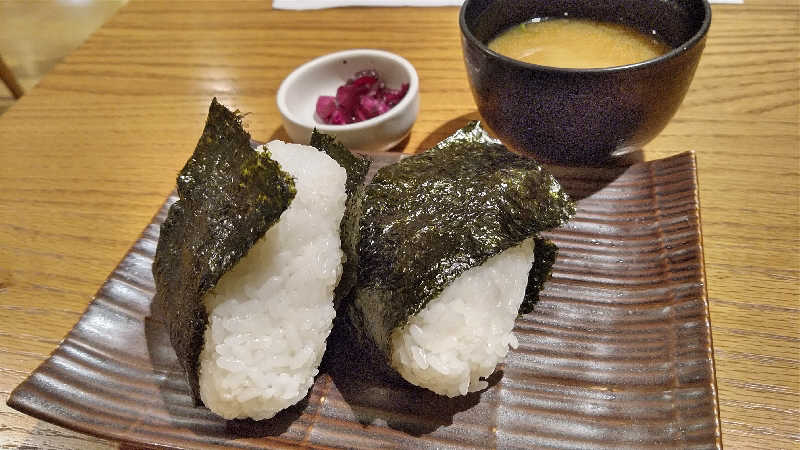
[[298, 93]]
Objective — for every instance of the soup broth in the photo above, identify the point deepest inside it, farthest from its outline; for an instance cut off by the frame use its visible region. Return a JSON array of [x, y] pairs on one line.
[[577, 43]]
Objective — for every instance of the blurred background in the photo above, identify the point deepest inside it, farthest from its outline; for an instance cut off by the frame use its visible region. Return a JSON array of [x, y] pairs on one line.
[[36, 34]]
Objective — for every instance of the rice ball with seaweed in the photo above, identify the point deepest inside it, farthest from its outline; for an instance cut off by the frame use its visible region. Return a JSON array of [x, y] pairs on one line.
[[451, 255], [251, 263], [269, 317]]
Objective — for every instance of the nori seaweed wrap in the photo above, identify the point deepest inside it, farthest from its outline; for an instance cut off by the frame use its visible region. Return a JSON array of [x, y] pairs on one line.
[[357, 168]]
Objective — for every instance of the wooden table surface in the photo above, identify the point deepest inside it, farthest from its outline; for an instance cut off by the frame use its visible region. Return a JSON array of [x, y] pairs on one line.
[[88, 156]]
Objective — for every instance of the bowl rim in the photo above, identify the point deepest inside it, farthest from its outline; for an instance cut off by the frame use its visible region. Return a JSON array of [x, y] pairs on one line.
[[396, 110], [675, 52]]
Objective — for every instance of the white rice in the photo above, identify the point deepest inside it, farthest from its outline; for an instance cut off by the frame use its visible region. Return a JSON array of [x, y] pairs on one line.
[[463, 334], [270, 315]]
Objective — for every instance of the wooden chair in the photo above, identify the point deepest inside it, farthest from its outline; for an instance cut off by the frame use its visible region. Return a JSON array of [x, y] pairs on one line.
[[8, 78]]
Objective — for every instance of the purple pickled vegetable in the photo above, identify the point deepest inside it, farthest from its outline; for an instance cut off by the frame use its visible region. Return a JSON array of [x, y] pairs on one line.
[[326, 105], [362, 97], [371, 107], [393, 97], [337, 118]]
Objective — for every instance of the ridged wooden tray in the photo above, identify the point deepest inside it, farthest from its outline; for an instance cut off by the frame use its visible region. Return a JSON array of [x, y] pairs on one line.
[[617, 354]]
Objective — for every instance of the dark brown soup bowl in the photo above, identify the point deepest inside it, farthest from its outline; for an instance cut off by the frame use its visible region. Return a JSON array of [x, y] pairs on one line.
[[582, 116]]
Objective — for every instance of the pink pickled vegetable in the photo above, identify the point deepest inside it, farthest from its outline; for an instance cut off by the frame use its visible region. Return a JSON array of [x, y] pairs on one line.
[[326, 105], [362, 97]]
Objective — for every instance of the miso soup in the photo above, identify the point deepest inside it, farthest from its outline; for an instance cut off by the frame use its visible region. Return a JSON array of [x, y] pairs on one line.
[[577, 43]]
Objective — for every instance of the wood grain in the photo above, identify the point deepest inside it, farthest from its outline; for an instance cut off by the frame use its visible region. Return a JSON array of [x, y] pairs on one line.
[[36, 34], [88, 155]]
